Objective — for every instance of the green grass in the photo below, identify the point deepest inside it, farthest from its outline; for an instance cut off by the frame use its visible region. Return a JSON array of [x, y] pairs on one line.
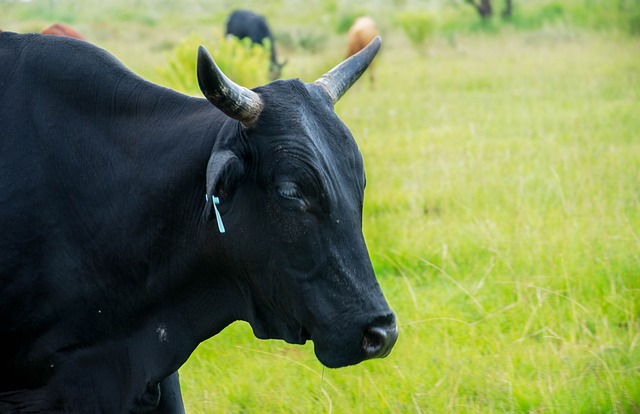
[[502, 213]]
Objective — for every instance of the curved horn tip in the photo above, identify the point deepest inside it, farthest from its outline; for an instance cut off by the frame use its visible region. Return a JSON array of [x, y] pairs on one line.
[[377, 41], [204, 57], [339, 79], [202, 50], [203, 54], [370, 50]]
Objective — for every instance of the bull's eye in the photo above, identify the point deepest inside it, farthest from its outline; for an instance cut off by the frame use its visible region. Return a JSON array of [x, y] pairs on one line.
[[289, 190]]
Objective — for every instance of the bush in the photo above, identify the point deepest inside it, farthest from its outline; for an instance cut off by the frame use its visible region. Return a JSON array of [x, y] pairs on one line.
[[634, 23], [418, 26], [537, 18], [245, 63], [345, 21]]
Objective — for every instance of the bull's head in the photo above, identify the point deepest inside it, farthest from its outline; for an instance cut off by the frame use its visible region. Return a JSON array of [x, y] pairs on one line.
[[299, 254]]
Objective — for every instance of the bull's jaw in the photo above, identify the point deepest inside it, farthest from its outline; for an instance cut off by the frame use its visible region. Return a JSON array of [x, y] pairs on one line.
[[279, 330], [344, 340], [267, 324]]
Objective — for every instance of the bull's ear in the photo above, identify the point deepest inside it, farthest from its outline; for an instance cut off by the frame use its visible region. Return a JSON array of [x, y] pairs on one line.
[[223, 172]]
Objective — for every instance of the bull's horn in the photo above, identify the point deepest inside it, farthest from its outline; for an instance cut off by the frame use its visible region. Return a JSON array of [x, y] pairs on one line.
[[236, 101], [339, 79]]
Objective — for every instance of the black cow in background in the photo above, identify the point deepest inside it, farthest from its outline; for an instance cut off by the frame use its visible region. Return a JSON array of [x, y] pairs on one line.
[[245, 23]]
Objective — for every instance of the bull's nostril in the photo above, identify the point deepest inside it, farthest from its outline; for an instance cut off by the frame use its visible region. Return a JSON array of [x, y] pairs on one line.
[[373, 341], [378, 341]]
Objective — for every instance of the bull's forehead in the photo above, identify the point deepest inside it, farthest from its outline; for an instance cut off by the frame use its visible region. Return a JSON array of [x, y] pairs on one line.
[[305, 136]]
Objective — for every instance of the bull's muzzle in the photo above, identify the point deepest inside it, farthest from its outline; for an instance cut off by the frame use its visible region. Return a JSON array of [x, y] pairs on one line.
[[379, 339]]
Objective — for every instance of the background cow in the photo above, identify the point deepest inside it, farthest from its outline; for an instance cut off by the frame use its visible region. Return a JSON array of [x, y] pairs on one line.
[[59, 29], [362, 31], [245, 23], [137, 222]]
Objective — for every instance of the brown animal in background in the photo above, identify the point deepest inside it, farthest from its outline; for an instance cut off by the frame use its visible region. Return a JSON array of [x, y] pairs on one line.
[[59, 29], [362, 31]]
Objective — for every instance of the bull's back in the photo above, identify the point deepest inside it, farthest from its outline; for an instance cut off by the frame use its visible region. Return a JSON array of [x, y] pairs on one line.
[[74, 179], [45, 82]]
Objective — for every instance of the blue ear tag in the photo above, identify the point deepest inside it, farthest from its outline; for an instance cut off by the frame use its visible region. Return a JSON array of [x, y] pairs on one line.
[[216, 201]]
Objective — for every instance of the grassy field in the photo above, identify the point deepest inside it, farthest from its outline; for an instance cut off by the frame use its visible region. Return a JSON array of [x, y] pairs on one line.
[[502, 214]]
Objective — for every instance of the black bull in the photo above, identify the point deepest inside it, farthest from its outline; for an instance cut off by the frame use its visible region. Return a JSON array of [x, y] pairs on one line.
[[113, 263]]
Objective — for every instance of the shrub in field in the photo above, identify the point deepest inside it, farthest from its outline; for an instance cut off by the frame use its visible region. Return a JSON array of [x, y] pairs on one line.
[[418, 26], [626, 20], [345, 21], [245, 63], [634, 22], [624, 16], [551, 13]]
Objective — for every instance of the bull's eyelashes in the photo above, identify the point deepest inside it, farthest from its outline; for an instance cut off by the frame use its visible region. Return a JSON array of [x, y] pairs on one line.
[[289, 190], [291, 194]]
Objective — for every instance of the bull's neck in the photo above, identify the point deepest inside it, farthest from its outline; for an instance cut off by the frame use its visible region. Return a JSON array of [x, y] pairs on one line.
[[161, 142], [192, 299]]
